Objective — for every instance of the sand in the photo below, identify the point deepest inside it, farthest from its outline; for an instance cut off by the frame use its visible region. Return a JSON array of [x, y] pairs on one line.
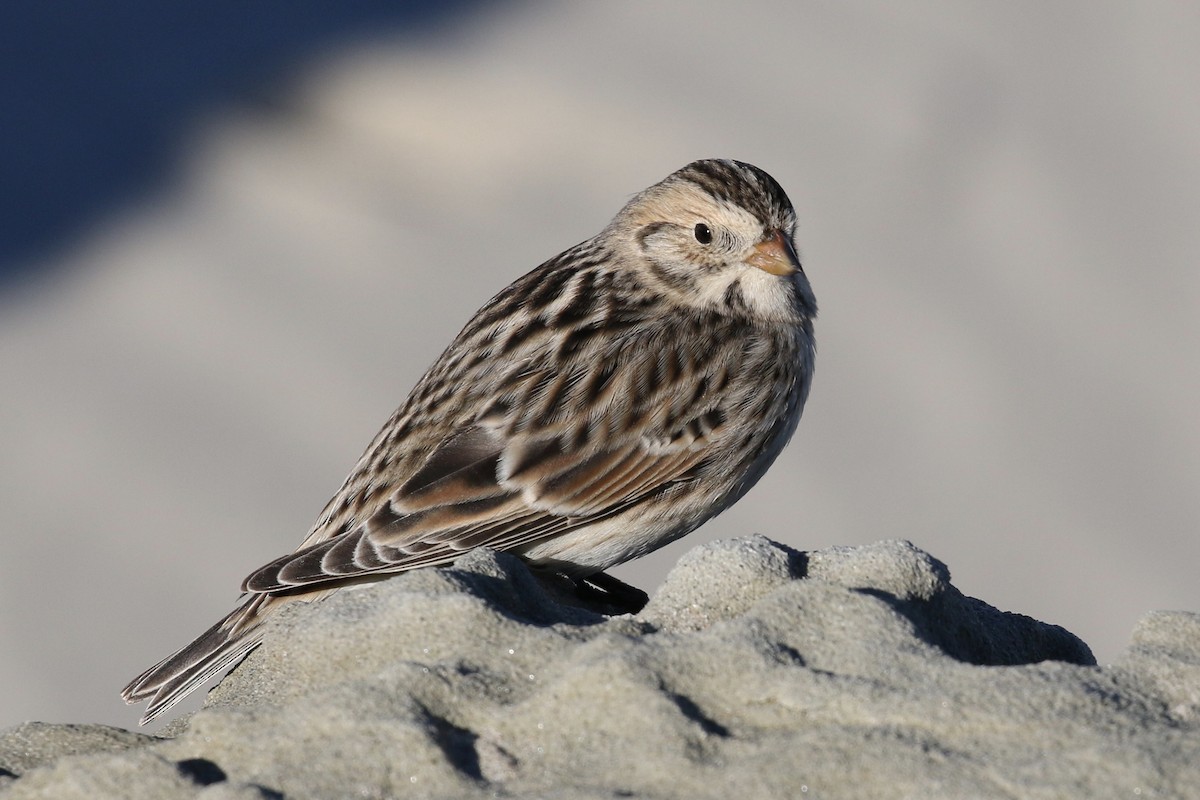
[[755, 671]]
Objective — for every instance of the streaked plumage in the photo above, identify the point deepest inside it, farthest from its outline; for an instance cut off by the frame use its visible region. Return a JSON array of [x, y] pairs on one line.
[[606, 403]]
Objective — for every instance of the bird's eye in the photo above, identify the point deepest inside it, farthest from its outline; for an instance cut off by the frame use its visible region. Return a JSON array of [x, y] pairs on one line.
[[703, 233]]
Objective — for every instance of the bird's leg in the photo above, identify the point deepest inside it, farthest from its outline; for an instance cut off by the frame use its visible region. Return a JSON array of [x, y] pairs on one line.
[[601, 587]]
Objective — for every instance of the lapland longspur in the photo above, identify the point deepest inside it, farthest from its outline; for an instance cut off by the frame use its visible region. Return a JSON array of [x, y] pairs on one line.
[[601, 406]]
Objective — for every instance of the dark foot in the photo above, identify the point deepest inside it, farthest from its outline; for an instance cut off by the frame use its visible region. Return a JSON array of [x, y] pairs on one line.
[[604, 588]]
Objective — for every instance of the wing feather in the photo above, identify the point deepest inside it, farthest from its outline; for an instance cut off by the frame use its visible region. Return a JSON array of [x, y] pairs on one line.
[[525, 469]]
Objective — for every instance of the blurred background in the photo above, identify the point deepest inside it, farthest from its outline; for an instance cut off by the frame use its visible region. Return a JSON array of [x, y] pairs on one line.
[[233, 235]]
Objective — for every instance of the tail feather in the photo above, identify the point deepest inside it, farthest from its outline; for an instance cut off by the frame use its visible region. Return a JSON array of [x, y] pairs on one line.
[[218, 648]]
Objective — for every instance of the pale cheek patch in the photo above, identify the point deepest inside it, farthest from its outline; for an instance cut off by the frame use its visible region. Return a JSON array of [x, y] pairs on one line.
[[765, 296], [711, 291]]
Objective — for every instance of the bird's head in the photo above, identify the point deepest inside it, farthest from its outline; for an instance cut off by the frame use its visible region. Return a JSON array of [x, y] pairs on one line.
[[718, 235]]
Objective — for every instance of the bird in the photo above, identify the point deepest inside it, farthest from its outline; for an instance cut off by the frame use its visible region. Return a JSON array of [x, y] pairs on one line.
[[601, 406]]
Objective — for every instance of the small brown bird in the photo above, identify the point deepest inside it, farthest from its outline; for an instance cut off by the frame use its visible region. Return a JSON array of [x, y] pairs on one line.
[[603, 405]]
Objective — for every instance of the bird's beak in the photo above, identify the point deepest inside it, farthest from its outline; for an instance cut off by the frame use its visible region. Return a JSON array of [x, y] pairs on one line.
[[775, 254]]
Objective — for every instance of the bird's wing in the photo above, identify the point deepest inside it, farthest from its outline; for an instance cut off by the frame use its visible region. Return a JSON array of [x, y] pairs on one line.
[[556, 449]]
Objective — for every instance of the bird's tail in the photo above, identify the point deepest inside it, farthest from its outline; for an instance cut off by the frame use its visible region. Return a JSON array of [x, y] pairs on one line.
[[218, 648]]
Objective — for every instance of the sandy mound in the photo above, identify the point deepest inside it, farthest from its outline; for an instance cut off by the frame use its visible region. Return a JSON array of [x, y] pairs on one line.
[[756, 671]]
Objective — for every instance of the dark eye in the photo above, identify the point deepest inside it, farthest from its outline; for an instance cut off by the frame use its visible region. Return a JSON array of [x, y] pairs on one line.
[[702, 232]]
